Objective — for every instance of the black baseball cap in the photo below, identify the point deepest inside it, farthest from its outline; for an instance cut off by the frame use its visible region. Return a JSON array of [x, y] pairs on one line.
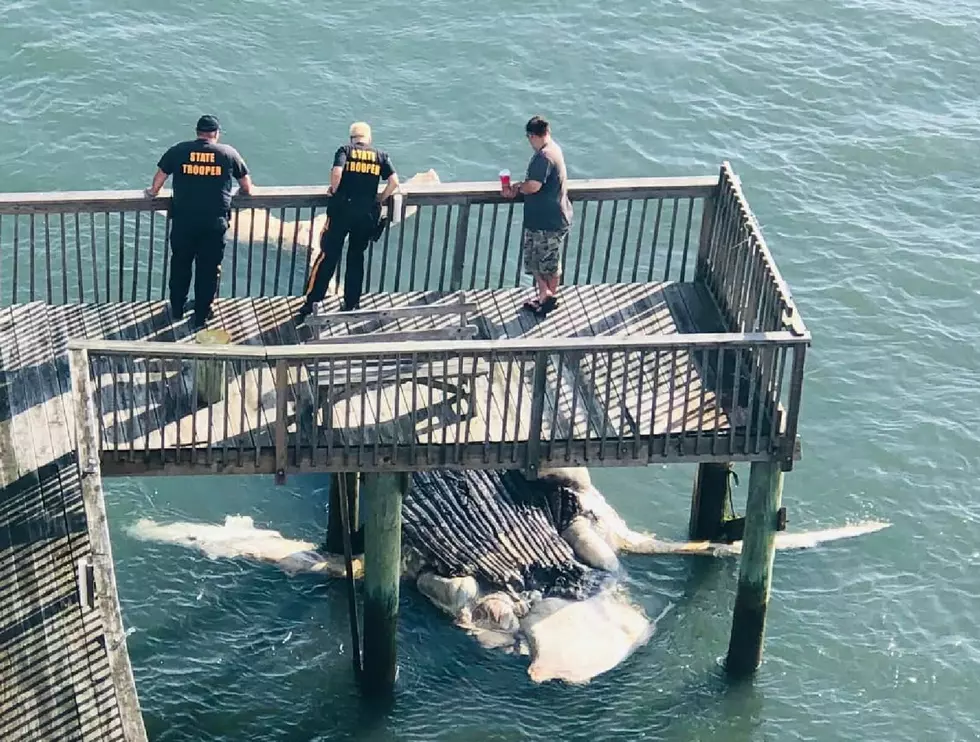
[[208, 123]]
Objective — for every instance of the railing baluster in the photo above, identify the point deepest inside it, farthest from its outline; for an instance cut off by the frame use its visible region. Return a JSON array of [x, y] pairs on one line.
[[459, 246], [64, 260], [265, 255], [16, 258], [278, 275], [415, 247], [234, 253], [445, 249], [656, 237], [47, 258], [136, 255], [670, 240], [503, 257], [250, 251], [609, 242], [168, 225], [33, 251], [491, 251], [292, 258], [595, 239], [626, 236], [639, 239], [150, 250], [401, 250], [475, 252], [687, 238], [430, 254]]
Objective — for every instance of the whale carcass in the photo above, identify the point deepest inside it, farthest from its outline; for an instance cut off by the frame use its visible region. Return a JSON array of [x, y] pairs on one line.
[[526, 566]]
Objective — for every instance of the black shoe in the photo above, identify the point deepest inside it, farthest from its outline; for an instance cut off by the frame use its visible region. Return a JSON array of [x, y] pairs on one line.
[[199, 323], [547, 306], [344, 307], [304, 312]]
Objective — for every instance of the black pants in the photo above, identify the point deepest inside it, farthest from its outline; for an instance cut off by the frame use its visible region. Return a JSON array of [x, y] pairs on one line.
[[202, 248], [359, 228]]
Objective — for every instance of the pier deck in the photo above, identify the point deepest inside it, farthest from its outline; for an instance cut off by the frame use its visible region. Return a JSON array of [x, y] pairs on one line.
[[613, 405], [64, 669]]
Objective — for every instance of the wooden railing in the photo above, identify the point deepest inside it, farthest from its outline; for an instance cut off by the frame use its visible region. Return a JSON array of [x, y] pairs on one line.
[[736, 265], [112, 246], [497, 404]]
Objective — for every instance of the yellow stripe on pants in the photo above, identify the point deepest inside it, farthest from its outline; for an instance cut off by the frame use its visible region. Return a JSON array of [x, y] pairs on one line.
[[313, 272]]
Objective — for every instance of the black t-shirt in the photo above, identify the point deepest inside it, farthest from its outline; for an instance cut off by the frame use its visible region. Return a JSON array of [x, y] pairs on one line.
[[204, 175], [364, 167]]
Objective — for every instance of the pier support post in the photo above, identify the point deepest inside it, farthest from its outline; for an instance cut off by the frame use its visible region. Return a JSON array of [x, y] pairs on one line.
[[755, 568], [709, 502], [382, 571], [334, 542]]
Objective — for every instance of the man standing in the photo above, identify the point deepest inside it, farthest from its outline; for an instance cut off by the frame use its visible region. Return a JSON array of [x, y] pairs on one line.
[[547, 214], [353, 210], [200, 210]]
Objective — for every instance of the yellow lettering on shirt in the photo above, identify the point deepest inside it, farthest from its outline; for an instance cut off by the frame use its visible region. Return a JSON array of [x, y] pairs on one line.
[[192, 168]]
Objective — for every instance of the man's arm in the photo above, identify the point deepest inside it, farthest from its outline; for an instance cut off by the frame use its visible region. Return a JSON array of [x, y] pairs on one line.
[[525, 186], [241, 173], [245, 183], [390, 187], [537, 173], [336, 173], [159, 178]]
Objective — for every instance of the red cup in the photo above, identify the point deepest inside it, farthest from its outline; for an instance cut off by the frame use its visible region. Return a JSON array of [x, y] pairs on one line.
[[505, 178]]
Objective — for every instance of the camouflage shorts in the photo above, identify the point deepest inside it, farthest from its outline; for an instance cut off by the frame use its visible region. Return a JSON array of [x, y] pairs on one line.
[[542, 251]]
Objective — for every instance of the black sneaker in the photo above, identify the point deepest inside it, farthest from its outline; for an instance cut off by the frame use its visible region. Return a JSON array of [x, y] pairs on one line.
[[199, 323], [344, 307], [304, 312], [547, 306]]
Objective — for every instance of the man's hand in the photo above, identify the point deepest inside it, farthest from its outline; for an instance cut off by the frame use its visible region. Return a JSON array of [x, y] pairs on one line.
[[511, 191], [159, 178]]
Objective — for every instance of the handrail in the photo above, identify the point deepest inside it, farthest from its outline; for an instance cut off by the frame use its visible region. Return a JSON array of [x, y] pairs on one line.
[[370, 348], [793, 319], [315, 195], [90, 246], [512, 404]]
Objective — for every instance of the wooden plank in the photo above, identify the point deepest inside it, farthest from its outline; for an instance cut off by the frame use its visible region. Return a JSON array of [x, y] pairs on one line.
[[98, 527], [83, 635], [391, 314], [448, 333], [23, 699], [74, 698]]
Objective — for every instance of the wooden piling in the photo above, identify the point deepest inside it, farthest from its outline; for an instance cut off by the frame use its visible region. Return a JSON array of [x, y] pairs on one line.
[[709, 502], [382, 571], [334, 542], [755, 568], [210, 373]]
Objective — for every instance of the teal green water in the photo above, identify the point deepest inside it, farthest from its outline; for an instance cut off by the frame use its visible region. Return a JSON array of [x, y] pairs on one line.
[[854, 126]]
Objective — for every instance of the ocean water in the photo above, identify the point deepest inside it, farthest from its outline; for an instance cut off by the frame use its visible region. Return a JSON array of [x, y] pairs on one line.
[[854, 125]]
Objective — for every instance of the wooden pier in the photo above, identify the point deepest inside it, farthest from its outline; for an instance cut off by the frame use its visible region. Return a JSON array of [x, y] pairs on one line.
[[676, 340]]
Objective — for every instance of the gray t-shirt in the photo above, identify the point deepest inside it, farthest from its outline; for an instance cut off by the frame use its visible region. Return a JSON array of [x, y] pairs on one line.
[[549, 209]]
